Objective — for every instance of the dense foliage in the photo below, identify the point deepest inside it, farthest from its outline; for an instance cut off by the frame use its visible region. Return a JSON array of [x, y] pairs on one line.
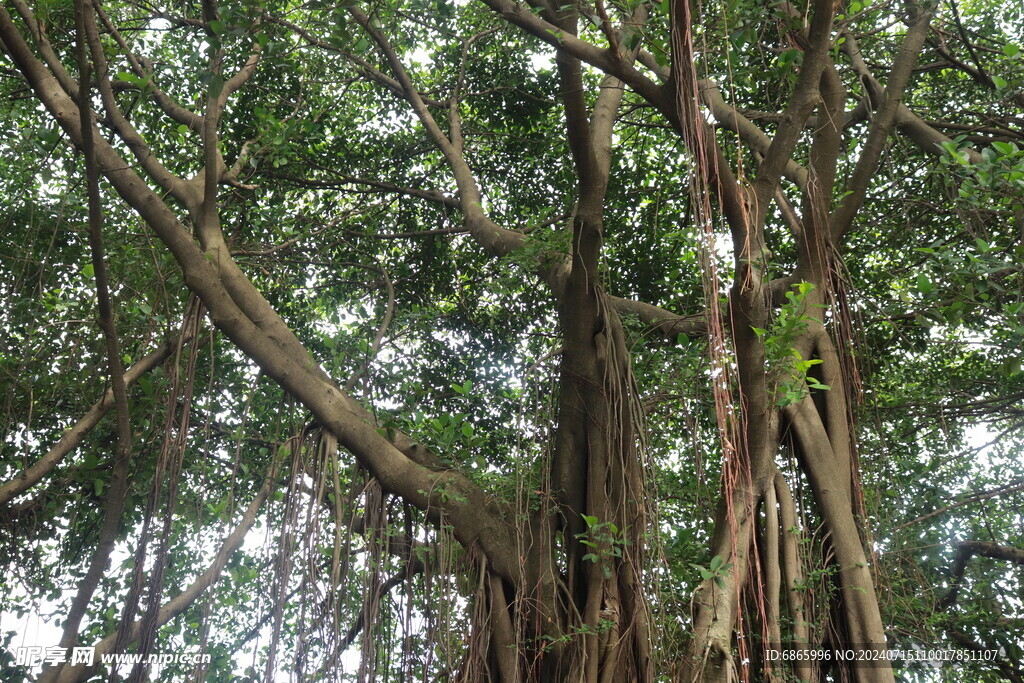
[[438, 340]]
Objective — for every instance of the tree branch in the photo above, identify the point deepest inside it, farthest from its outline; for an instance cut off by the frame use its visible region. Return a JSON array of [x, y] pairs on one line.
[[913, 126], [398, 464], [881, 124], [371, 72], [117, 490], [144, 69], [605, 60], [1013, 487], [733, 120], [73, 436], [801, 104], [140, 149], [183, 600], [496, 240], [968, 549]]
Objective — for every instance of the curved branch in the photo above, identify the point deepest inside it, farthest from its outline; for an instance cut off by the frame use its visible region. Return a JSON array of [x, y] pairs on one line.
[[371, 72], [666, 324], [912, 125], [183, 600], [1017, 485], [801, 104], [67, 83], [968, 549], [378, 338], [733, 120], [433, 196], [73, 436], [1009, 668], [143, 68], [246, 318], [881, 124], [605, 60], [126, 131], [496, 240]]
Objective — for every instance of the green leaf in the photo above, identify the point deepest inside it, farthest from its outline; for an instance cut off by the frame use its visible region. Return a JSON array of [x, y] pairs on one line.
[[924, 285], [128, 77], [216, 86]]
